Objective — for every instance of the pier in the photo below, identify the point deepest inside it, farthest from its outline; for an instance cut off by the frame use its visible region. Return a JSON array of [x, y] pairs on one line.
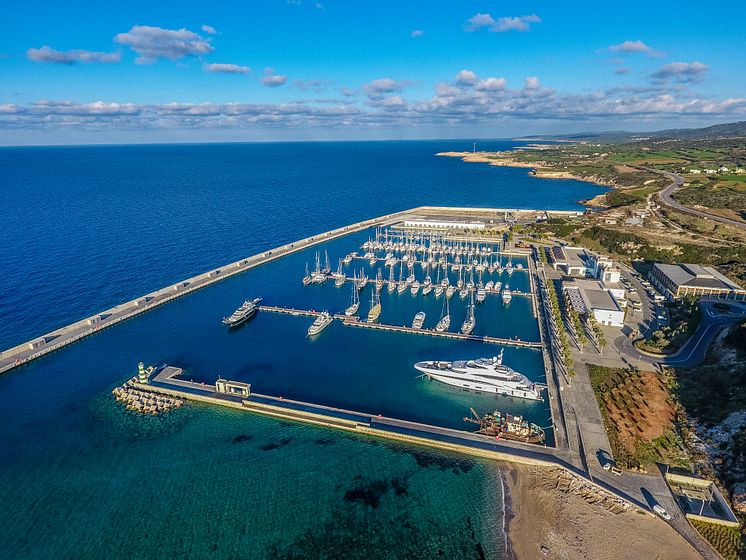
[[357, 322], [168, 382]]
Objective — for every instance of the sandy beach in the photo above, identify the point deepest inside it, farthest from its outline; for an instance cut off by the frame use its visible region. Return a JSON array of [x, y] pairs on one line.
[[551, 517]]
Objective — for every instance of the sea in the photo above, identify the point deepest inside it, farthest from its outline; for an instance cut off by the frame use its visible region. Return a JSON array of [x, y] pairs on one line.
[[85, 228]]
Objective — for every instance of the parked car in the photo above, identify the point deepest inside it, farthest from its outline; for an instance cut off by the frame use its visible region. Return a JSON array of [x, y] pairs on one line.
[[660, 510]]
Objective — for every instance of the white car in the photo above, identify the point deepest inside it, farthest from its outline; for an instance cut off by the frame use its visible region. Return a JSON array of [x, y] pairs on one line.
[[660, 510]]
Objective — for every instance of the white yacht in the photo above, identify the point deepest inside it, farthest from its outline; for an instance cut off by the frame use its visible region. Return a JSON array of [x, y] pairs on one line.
[[323, 320], [419, 320], [487, 375], [415, 287], [507, 296]]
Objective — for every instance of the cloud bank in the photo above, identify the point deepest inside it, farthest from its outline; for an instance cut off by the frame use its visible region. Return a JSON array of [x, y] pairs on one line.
[[152, 43], [48, 54]]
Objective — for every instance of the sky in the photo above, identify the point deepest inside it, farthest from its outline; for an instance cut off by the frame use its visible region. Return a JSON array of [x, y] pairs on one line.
[[273, 70]]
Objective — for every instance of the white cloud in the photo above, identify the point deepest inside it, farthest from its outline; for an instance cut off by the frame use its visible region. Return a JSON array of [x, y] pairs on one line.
[[48, 54], [680, 72], [272, 79], [152, 43], [490, 84], [226, 68], [500, 25], [635, 47], [376, 88], [417, 33], [466, 78], [209, 29], [532, 82], [621, 71]]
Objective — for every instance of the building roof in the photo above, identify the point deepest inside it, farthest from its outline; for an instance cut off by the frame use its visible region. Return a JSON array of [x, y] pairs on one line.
[[696, 276], [558, 254], [576, 257]]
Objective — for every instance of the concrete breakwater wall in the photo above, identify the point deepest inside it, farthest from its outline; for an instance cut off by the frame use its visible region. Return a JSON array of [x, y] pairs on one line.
[[36, 348]]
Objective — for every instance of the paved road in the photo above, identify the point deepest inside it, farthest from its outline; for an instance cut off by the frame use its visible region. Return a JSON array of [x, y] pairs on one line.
[[666, 198], [694, 351]]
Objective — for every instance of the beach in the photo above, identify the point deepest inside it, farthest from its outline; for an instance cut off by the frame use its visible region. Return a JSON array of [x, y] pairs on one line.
[[550, 516]]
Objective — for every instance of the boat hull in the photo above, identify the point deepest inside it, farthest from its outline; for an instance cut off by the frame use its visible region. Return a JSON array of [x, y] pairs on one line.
[[447, 378]]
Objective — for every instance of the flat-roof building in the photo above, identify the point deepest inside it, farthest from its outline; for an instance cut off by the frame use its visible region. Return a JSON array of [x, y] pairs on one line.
[[680, 280], [592, 297]]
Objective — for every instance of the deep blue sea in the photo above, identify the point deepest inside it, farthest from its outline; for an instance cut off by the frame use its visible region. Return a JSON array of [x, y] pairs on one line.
[[85, 228]]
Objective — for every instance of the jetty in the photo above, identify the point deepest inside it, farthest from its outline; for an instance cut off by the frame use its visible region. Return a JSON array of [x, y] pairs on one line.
[[356, 322]]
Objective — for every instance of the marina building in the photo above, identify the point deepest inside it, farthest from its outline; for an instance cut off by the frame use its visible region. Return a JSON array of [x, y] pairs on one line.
[[680, 280], [444, 224], [576, 261], [594, 298]]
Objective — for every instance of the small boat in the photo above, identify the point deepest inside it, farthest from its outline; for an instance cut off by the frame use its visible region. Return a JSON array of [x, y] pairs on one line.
[[438, 291], [307, 277], [391, 287], [481, 294], [419, 320], [506, 426], [379, 281], [415, 287], [339, 277], [243, 313], [489, 285], [426, 289], [470, 322], [463, 293], [354, 300], [506, 295], [445, 318], [362, 281], [327, 267], [347, 259], [323, 320], [375, 307], [450, 290]]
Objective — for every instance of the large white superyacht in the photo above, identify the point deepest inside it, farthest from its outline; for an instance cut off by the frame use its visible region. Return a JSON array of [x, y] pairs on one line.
[[487, 375]]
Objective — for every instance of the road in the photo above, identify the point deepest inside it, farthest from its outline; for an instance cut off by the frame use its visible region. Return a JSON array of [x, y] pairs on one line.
[[666, 198], [694, 351]]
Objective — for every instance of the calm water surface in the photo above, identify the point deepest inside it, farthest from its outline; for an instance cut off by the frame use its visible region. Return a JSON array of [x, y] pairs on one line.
[[82, 229]]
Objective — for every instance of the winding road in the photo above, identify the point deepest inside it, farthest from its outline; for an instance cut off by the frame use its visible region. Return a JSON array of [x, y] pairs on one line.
[[665, 197]]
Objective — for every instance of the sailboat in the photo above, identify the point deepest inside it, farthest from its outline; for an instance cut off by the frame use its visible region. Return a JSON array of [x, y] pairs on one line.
[[339, 276], [375, 306], [402, 283], [445, 318], [354, 299], [379, 281], [327, 267], [438, 286], [391, 282], [362, 281], [307, 277], [427, 287], [470, 322]]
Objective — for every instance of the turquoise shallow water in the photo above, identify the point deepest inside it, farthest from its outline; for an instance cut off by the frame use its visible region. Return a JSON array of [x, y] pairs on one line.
[[81, 478]]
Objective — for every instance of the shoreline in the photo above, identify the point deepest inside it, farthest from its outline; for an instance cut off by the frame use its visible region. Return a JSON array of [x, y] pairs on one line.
[[550, 514], [507, 160]]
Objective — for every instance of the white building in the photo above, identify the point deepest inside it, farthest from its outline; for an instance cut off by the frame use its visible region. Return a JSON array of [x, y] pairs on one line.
[[593, 298], [444, 224]]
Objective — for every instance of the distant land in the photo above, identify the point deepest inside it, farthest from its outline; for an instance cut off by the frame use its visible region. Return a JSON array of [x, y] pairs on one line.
[[725, 130]]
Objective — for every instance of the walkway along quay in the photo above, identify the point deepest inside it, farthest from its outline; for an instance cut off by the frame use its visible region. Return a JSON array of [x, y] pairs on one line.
[[168, 380], [357, 322]]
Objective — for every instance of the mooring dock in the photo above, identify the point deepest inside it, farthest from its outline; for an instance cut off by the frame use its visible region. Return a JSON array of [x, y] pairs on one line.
[[357, 322]]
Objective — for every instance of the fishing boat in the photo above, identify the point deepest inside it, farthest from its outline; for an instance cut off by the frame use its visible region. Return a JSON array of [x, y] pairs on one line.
[[243, 313], [354, 299], [485, 375], [375, 307], [419, 320], [506, 426], [445, 318], [323, 320], [470, 322]]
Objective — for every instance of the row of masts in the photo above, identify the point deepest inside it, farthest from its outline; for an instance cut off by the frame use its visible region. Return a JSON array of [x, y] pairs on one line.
[[387, 240]]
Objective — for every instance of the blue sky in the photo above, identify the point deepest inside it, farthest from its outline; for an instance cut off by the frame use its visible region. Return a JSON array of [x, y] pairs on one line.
[[336, 69]]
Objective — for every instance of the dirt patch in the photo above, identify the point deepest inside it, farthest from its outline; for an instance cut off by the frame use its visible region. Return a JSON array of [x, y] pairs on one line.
[[556, 516]]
